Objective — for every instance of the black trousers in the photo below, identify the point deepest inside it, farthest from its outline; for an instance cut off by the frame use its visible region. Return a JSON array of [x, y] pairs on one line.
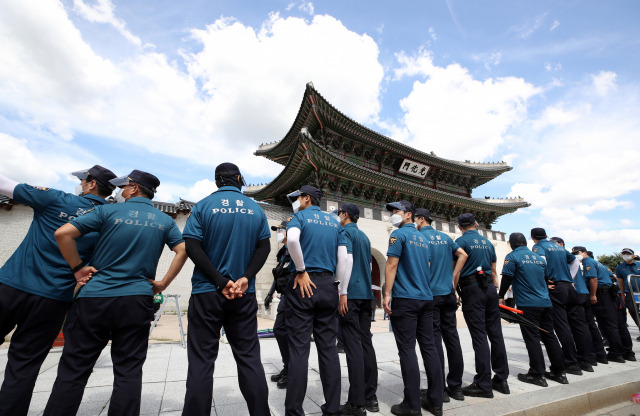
[[412, 321], [597, 352], [318, 315], [91, 323], [207, 313], [445, 329], [38, 320], [482, 314], [570, 324], [361, 357], [623, 331], [605, 312], [280, 332], [543, 318], [631, 307]]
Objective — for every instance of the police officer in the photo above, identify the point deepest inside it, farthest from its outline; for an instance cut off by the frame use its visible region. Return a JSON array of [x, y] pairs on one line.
[[527, 272], [601, 297], [318, 248], [569, 319], [281, 273], [598, 354], [407, 279], [444, 252], [478, 285], [36, 284], [355, 319], [117, 302], [227, 237], [621, 313], [623, 270]]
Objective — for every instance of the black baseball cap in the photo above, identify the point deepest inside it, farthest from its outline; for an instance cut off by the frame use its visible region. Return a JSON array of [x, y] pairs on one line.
[[352, 210], [627, 250], [557, 240], [423, 212], [576, 249], [227, 169], [306, 190], [282, 225], [97, 172], [538, 233], [403, 205], [466, 219], [139, 177]]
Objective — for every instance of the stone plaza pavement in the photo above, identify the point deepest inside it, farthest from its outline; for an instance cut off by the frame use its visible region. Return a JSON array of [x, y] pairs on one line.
[[165, 372]]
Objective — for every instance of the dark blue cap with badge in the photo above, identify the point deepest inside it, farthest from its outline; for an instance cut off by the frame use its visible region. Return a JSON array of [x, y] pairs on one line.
[[423, 212], [305, 190], [97, 172], [466, 219], [557, 240], [627, 250], [403, 205], [281, 226], [352, 210], [538, 233], [139, 177], [578, 249]]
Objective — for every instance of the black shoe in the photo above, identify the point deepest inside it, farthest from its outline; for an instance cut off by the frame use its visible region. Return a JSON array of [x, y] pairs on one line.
[[605, 342], [638, 339], [282, 383], [629, 357], [445, 397], [602, 360], [531, 379], [615, 358], [585, 366], [474, 391], [352, 410], [455, 393], [594, 363], [371, 404], [557, 377], [277, 377], [573, 369], [401, 409], [340, 349], [501, 385], [426, 405]]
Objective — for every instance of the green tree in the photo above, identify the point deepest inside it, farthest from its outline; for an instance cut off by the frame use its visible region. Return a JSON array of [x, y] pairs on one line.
[[611, 261]]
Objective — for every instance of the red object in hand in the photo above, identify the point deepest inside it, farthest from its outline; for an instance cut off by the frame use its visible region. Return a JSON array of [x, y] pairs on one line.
[[511, 309], [59, 342]]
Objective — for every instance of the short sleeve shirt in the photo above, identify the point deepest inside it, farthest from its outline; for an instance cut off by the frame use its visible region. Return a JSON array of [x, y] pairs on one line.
[[480, 251], [412, 276], [229, 225], [37, 266], [604, 275], [360, 281], [320, 236], [623, 270], [589, 268], [529, 272], [558, 260], [442, 248], [132, 237]]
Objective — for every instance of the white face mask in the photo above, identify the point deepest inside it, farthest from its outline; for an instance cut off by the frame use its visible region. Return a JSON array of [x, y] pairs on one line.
[[396, 220], [119, 197], [627, 257], [296, 205], [78, 190], [580, 257], [280, 237]]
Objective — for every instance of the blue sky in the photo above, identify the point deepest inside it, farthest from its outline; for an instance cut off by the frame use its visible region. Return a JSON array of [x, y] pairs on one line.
[[176, 88]]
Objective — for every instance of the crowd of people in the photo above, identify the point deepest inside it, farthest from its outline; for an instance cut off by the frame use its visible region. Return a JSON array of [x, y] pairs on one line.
[[91, 265]]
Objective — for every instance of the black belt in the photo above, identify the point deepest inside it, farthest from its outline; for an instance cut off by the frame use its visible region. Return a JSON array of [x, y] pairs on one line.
[[467, 281], [604, 290], [320, 274]]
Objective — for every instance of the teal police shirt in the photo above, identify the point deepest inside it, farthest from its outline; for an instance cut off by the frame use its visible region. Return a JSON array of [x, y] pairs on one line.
[[480, 251], [558, 260], [360, 281], [229, 225], [412, 276], [442, 247], [589, 269], [320, 236], [581, 283], [132, 237], [604, 275], [529, 272], [37, 266], [623, 270]]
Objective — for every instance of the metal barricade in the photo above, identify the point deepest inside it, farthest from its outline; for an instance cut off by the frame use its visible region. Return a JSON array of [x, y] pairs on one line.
[[634, 287], [175, 298]]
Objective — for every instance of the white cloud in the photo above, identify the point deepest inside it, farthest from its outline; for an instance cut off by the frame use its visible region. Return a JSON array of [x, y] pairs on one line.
[[549, 67], [103, 12], [433, 34], [529, 27], [242, 85], [625, 222], [454, 114], [554, 25], [604, 82]]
